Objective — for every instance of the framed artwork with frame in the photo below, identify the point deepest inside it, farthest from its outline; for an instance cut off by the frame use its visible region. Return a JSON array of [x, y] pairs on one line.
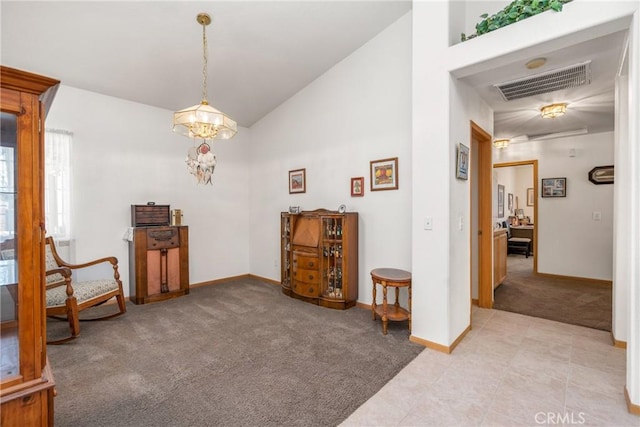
[[510, 203], [384, 174], [297, 181], [500, 201], [554, 187], [462, 165], [530, 197], [601, 175], [357, 187]]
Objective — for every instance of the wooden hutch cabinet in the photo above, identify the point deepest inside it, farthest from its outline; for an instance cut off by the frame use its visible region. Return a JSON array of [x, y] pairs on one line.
[[319, 257], [26, 382]]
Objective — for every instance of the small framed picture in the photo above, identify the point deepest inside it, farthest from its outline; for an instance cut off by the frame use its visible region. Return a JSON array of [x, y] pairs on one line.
[[530, 197], [510, 202], [297, 181], [500, 201], [357, 187], [384, 174], [554, 187], [462, 166]]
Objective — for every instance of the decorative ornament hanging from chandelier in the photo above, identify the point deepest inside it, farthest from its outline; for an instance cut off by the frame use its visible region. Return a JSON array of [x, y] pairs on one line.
[[202, 121]]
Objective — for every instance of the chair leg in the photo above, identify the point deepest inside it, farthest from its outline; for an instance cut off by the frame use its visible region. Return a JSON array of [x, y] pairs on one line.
[[121, 303], [72, 316]]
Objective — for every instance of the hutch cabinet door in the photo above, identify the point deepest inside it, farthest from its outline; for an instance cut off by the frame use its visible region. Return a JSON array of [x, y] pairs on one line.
[[26, 383]]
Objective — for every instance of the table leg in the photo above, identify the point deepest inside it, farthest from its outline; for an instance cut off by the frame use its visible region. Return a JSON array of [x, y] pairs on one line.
[[373, 304], [385, 319], [409, 290], [397, 303]]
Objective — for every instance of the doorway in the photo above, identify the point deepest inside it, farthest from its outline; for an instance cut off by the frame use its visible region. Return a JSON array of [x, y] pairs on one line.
[[524, 206]]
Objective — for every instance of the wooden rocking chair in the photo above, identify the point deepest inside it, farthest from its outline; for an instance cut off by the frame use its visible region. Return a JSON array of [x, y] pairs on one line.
[[66, 298]]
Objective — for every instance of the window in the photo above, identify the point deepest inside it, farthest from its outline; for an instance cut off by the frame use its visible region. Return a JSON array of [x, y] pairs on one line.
[[57, 183]]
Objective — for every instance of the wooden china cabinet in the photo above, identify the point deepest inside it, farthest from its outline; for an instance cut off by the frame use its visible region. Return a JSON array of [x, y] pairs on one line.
[[26, 383], [319, 257]]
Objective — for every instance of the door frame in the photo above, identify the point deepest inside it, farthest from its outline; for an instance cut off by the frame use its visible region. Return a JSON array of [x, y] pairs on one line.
[[485, 219]]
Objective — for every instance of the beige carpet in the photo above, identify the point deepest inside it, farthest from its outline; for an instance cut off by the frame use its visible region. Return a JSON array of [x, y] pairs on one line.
[[564, 300]]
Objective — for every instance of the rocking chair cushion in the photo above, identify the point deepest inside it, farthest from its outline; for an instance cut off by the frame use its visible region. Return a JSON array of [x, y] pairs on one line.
[[52, 265], [83, 291]]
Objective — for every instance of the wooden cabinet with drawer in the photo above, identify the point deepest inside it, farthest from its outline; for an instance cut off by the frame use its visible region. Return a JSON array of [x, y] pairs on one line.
[[158, 263], [319, 251]]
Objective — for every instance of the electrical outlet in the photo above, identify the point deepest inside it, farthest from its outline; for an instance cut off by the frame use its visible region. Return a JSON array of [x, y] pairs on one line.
[[596, 216]]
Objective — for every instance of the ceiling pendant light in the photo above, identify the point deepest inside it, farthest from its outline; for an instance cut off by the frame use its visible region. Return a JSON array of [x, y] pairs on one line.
[[204, 122], [501, 143], [554, 110]]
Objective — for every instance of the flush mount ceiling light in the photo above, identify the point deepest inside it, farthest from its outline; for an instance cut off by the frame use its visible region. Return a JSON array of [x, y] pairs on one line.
[[203, 121], [501, 143], [554, 110], [536, 63]]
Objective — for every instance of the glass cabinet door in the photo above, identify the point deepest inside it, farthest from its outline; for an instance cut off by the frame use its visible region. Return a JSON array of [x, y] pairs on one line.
[[10, 355]]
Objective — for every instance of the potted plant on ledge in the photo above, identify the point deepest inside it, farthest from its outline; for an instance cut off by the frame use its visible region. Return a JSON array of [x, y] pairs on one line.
[[514, 12]]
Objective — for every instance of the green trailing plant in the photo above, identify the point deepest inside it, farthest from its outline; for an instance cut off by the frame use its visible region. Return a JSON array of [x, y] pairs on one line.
[[514, 12]]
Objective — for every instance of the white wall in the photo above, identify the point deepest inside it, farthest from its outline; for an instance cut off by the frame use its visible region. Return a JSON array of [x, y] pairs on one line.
[[125, 153], [507, 178], [570, 242], [524, 182], [467, 106], [631, 252], [358, 111]]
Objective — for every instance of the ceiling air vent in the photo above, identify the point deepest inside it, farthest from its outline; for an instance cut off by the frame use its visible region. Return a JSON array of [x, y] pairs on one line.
[[561, 78]]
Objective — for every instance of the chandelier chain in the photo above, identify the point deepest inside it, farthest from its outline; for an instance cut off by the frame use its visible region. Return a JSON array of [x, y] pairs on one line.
[[204, 68]]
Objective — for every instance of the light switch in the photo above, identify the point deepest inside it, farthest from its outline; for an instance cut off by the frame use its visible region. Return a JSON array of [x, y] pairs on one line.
[[596, 216], [428, 223]]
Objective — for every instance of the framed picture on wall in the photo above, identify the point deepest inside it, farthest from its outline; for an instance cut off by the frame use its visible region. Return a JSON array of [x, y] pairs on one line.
[[297, 181], [462, 165], [384, 174], [554, 187], [357, 187], [510, 202], [500, 201], [530, 197], [601, 175]]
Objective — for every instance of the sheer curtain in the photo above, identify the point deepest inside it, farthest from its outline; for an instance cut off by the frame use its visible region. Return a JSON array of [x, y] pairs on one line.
[[57, 183]]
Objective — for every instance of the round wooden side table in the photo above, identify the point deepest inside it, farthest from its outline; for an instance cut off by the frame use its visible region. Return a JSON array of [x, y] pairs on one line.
[[395, 278]]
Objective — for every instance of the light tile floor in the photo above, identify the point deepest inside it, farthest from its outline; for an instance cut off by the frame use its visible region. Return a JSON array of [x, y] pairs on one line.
[[510, 370]]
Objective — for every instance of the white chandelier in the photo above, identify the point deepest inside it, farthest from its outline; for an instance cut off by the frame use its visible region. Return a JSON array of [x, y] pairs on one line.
[[204, 122]]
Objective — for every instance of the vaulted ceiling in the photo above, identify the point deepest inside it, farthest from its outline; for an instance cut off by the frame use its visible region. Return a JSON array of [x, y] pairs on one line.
[[261, 53]]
